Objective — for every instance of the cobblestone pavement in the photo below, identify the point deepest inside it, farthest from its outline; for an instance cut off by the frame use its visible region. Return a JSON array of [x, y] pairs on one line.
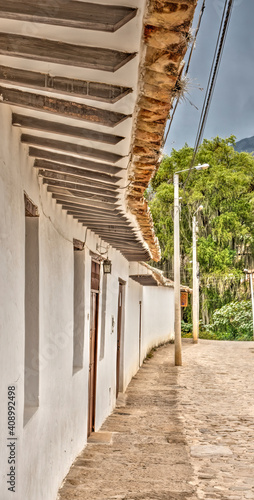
[[217, 403], [179, 433]]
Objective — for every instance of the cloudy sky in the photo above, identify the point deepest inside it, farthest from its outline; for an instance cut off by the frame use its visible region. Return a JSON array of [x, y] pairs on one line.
[[232, 107]]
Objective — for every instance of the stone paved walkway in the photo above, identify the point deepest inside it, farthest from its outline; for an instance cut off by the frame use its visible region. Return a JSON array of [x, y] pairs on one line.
[[180, 433]]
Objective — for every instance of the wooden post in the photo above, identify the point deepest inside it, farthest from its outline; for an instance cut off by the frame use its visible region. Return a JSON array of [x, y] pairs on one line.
[[195, 312], [178, 339], [252, 300]]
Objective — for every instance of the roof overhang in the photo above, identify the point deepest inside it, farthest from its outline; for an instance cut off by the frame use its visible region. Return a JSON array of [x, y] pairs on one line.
[[147, 275], [91, 95]]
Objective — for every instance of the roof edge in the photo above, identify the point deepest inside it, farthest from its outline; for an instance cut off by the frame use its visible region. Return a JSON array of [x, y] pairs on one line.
[[166, 37]]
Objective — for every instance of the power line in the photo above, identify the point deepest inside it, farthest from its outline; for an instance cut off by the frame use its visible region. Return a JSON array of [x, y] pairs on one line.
[[226, 15], [187, 67], [213, 73]]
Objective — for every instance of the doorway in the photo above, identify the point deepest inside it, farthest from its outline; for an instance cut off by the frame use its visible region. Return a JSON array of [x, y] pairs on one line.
[[119, 336], [140, 333], [94, 307]]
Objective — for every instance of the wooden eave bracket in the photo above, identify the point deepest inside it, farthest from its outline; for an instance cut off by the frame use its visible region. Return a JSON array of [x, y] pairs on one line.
[[78, 245], [31, 210]]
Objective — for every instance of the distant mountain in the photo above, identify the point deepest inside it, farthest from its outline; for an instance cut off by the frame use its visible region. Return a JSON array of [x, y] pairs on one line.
[[245, 145]]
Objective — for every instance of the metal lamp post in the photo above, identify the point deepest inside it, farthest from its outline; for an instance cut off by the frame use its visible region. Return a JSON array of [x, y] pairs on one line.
[[178, 339]]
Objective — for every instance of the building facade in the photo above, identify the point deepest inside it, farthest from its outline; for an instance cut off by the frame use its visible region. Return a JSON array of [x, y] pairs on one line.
[[85, 92]]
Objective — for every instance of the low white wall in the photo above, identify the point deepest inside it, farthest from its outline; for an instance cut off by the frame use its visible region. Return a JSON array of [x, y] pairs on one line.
[[157, 317], [132, 324]]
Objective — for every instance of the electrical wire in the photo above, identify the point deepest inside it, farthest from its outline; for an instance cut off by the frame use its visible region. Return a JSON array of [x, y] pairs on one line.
[[187, 67], [226, 15], [213, 74]]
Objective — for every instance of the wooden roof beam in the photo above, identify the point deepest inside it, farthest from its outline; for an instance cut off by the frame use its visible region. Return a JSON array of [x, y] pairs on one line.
[[96, 217], [78, 180], [69, 147], [105, 224], [82, 201], [100, 173], [84, 195], [96, 211], [97, 91], [29, 122], [89, 190], [93, 219], [89, 212], [119, 242], [111, 228], [51, 51], [60, 107], [83, 15], [93, 213]]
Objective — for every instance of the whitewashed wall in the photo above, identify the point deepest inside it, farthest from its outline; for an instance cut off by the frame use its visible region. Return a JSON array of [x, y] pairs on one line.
[[131, 340], [157, 317], [56, 432]]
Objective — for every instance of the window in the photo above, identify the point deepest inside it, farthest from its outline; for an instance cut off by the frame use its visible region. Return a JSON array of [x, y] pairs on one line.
[[31, 376], [103, 315], [78, 306]]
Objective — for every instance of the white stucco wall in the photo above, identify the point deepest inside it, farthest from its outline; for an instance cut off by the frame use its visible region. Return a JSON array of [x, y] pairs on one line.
[[132, 322], [106, 372], [57, 430], [157, 317]]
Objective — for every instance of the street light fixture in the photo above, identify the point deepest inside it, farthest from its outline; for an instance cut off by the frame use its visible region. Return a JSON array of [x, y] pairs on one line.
[[178, 339], [195, 277]]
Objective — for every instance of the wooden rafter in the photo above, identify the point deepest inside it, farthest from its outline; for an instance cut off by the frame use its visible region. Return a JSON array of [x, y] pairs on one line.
[[77, 179], [86, 174], [97, 91], [52, 51], [70, 147], [32, 123], [83, 15], [68, 203], [87, 190], [46, 158], [87, 196], [82, 201], [93, 213], [60, 107]]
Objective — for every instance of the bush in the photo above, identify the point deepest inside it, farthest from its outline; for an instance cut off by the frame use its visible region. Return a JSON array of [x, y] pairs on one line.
[[232, 322], [186, 327]]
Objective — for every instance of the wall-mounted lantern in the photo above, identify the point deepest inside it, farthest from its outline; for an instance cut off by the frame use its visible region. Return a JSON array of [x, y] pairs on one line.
[[107, 266]]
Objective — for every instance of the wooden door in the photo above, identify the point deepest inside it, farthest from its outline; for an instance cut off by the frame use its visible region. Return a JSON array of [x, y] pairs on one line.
[[94, 305], [119, 332]]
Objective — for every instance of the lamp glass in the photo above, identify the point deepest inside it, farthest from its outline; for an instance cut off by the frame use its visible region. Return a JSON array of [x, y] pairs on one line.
[[107, 266]]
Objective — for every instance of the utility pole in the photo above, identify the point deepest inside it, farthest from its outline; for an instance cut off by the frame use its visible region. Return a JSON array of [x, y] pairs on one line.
[[195, 286], [252, 300], [178, 339], [250, 273]]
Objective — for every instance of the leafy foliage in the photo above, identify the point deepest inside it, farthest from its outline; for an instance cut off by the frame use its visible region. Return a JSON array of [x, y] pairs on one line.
[[186, 327], [226, 223], [232, 322]]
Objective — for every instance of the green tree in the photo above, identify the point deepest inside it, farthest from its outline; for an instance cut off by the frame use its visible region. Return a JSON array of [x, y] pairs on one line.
[[226, 223]]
